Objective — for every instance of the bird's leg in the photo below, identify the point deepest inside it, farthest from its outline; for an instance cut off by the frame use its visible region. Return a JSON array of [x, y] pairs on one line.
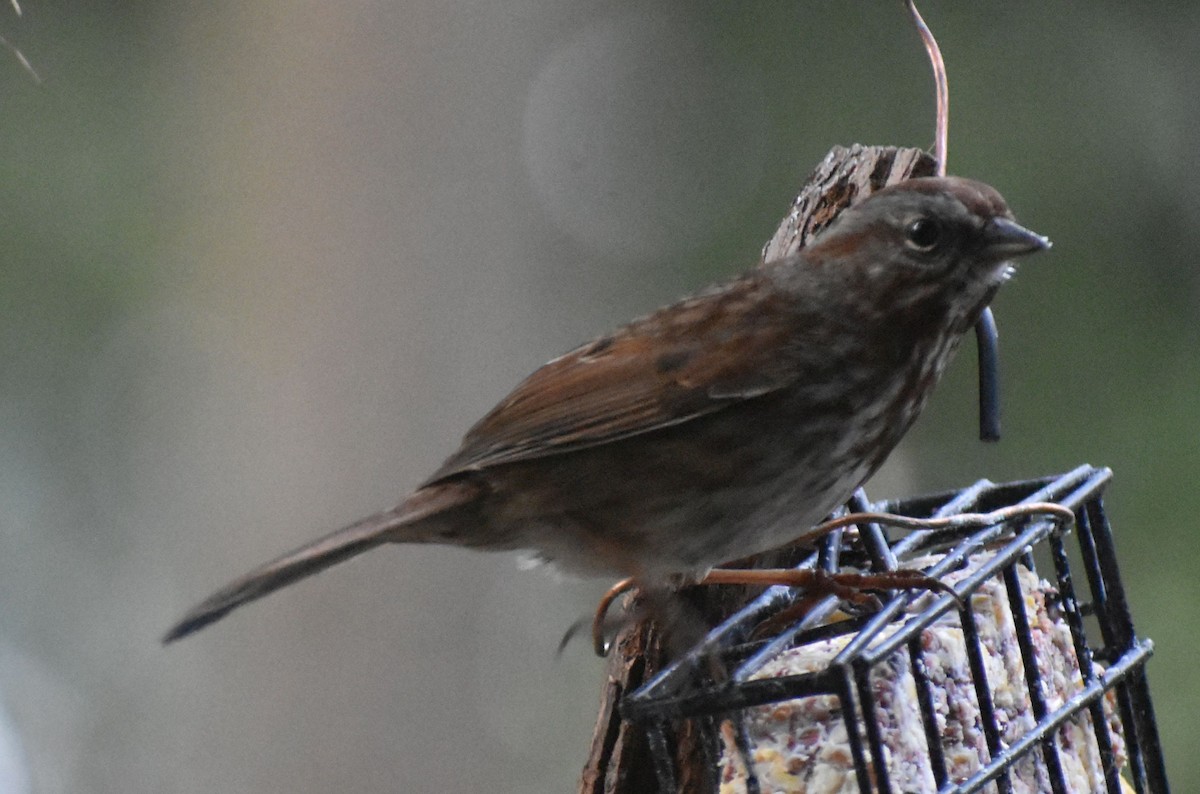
[[850, 586], [599, 644], [818, 583]]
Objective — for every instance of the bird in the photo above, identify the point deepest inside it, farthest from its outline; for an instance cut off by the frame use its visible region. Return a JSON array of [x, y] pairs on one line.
[[717, 427]]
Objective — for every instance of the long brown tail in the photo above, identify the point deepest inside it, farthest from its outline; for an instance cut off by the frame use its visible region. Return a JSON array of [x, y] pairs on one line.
[[391, 525]]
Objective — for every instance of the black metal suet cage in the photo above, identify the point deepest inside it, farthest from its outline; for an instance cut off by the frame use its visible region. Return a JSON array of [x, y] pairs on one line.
[[1110, 691]]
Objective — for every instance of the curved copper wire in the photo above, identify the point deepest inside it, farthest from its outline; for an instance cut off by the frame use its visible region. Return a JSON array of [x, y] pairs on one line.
[[942, 86]]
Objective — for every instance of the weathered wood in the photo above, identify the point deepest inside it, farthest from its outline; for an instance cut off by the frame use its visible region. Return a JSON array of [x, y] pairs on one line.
[[619, 761], [843, 178]]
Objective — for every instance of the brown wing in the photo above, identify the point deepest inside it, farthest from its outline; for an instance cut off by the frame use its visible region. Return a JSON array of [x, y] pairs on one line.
[[680, 363]]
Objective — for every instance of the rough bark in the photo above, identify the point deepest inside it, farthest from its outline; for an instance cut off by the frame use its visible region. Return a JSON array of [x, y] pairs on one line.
[[619, 761]]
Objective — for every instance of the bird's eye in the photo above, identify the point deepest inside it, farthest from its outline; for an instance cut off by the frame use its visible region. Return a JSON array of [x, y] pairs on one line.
[[924, 234]]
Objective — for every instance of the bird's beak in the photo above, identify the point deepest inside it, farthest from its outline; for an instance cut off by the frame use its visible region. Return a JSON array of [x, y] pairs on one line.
[[1005, 239]]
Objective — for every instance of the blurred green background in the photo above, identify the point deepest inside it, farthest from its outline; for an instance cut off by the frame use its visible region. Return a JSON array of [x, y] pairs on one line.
[[263, 263]]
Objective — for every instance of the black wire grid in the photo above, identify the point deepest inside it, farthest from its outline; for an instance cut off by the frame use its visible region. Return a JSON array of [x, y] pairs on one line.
[[683, 690]]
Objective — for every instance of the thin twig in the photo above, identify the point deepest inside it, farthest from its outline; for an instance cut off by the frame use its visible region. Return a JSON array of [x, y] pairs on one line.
[[959, 521]]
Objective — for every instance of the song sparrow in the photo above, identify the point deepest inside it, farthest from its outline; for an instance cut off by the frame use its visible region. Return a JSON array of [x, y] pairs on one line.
[[718, 427]]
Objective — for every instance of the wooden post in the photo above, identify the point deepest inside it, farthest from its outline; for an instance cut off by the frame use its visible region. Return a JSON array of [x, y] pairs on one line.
[[619, 760]]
